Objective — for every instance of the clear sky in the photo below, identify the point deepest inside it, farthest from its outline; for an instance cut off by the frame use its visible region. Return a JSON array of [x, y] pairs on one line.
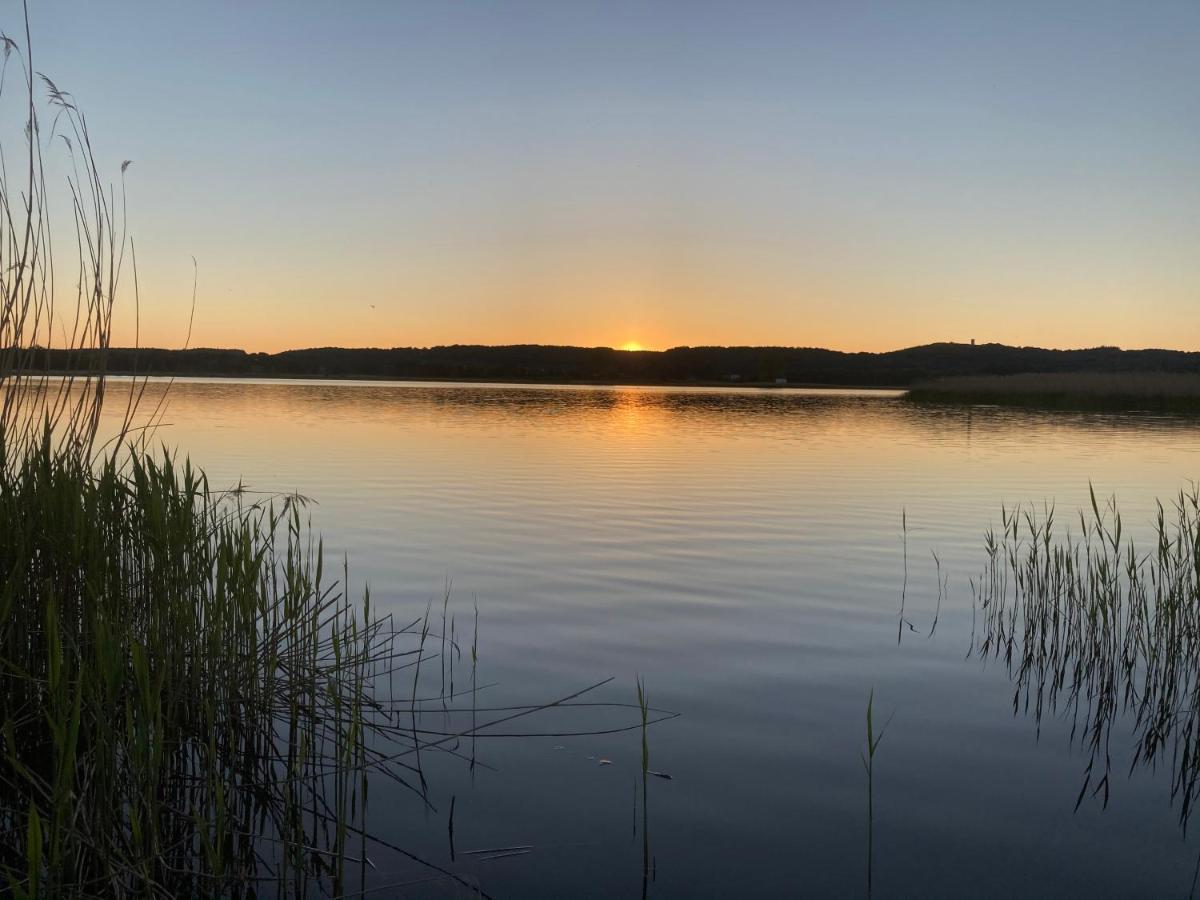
[[853, 175]]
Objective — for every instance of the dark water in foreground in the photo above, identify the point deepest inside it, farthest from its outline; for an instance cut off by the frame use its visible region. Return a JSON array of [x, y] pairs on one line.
[[742, 552]]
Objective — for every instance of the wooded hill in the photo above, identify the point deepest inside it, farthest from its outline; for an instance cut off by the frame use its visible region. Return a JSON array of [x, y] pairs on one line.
[[680, 365]]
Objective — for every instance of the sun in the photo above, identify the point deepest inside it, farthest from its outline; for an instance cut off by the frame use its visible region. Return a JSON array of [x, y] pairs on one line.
[[632, 345]]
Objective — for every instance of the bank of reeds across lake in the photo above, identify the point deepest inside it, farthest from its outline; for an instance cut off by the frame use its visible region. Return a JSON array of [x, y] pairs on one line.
[[1154, 391]]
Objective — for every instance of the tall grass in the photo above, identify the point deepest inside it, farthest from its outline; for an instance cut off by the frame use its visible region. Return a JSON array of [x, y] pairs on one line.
[[183, 691], [1070, 390], [1101, 631], [47, 301]]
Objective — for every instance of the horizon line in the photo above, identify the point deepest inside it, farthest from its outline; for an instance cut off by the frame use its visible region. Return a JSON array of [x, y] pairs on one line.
[[652, 351]]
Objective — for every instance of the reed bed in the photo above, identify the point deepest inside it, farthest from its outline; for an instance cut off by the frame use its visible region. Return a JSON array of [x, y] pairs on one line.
[[1070, 390], [183, 695], [1103, 632]]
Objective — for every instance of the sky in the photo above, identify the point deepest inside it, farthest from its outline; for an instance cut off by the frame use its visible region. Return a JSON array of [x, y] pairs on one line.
[[861, 176]]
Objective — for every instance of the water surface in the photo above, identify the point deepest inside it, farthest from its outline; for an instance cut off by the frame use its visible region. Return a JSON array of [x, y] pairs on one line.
[[742, 551]]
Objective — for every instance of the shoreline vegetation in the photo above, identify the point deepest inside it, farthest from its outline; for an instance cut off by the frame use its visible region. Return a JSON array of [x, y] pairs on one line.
[[689, 366], [1103, 632], [1134, 391]]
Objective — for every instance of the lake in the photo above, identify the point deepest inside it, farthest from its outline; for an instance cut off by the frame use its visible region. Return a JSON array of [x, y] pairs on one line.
[[743, 552]]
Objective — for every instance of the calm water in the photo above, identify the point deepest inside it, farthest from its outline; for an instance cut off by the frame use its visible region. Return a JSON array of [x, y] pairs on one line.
[[742, 552]]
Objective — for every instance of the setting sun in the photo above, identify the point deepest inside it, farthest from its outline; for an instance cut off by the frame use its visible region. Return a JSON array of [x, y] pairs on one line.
[[631, 345]]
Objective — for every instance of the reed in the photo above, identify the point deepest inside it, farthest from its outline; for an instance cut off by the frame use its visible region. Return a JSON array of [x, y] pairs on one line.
[[644, 710], [868, 760], [36, 312], [1103, 632], [185, 698], [1167, 391]]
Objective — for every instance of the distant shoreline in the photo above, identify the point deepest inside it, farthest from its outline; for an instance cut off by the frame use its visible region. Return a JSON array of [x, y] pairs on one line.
[[518, 382], [750, 367]]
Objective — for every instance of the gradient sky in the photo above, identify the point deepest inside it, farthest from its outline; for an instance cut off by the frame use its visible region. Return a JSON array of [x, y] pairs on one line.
[[852, 175]]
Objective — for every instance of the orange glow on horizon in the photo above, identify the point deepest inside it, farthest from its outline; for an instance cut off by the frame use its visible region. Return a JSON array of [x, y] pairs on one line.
[[257, 319]]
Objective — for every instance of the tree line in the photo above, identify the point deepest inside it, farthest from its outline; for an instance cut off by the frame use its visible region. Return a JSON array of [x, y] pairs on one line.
[[533, 362]]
